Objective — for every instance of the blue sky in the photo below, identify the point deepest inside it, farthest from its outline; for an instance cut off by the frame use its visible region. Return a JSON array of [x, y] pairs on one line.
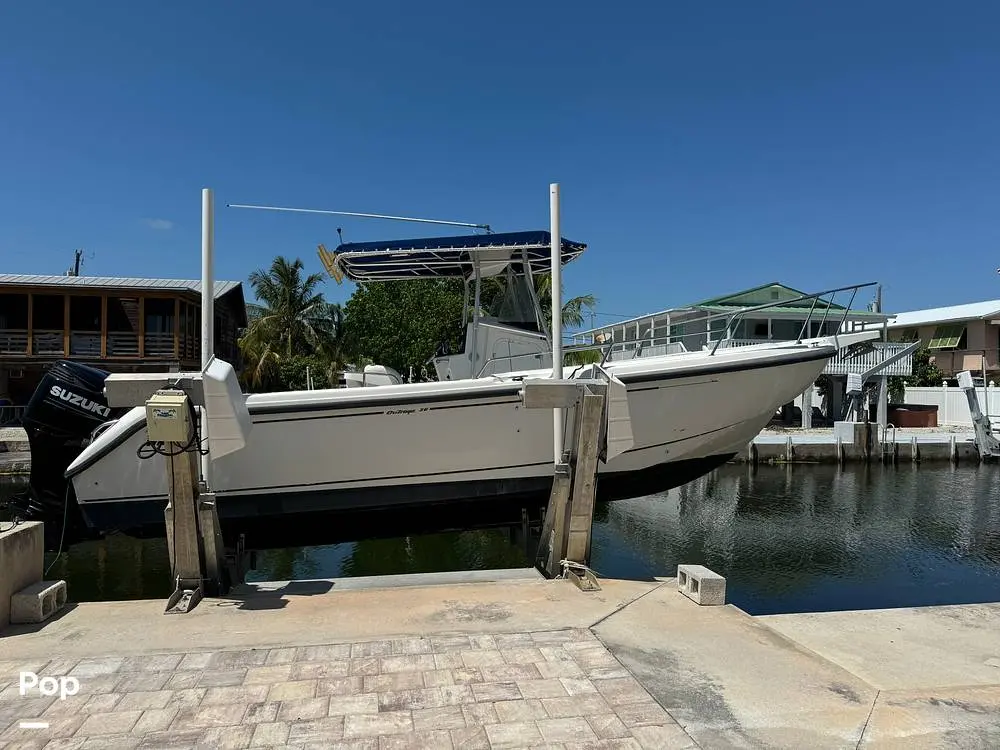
[[701, 147]]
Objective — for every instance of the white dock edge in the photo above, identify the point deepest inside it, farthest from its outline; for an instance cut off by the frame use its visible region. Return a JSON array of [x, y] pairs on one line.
[[401, 580], [701, 585]]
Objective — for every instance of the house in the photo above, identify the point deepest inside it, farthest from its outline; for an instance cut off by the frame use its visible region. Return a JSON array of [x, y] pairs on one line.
[[960, 337], [769, 312], [115, 324], [783, 319]]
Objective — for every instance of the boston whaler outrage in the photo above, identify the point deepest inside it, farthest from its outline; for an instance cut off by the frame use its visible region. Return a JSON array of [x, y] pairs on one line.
[[465, 437]]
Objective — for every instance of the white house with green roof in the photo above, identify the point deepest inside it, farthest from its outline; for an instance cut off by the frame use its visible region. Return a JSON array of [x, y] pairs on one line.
[[783, 319], [769, 312]]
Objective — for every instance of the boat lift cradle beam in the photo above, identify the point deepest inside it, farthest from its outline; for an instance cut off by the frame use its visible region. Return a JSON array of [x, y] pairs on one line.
[[566, 530], [987, 444], [598, 425], [194, 536]]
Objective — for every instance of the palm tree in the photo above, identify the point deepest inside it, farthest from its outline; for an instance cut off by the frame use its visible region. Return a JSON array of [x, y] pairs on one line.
[[291, 319], [572, 309]]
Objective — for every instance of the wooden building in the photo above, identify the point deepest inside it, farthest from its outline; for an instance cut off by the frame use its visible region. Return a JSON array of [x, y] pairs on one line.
[[114, 324]]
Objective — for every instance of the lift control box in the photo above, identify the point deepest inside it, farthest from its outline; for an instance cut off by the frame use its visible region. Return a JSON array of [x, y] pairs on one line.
[[168, 417]]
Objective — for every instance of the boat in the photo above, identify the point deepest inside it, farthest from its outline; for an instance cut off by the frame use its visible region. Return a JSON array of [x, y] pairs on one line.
[[465, 437]]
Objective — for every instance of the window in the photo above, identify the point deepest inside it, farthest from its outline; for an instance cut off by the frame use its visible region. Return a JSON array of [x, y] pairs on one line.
[[786, 330], [948, 337], [906, 336], [757, 329]]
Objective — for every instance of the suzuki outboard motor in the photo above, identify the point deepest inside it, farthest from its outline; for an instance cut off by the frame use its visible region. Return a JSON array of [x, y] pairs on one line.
[[64, 411]]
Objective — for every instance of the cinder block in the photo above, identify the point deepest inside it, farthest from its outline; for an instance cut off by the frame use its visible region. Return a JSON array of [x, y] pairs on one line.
[[38, 602], [701, 585], [22, 557]]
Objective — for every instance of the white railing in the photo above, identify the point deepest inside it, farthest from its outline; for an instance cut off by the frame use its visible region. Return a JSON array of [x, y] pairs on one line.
[[953, 404], [845, 362], [650, 350], [13, 341], [733, 343]]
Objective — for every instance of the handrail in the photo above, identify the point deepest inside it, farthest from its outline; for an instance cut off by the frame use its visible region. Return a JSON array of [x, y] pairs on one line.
[[802, 298], [648, 339]]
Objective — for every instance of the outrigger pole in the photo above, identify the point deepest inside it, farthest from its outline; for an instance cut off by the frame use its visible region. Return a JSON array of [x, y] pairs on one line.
[[485, 227]]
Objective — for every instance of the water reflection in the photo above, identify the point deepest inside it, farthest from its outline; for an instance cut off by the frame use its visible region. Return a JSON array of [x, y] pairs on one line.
[[795, 539], [788, 539]]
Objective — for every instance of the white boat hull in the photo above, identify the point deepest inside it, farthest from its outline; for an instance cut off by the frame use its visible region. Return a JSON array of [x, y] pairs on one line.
[[341, 450]]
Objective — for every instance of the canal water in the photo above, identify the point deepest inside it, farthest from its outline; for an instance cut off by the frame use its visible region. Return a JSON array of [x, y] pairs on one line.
[[788, 539]]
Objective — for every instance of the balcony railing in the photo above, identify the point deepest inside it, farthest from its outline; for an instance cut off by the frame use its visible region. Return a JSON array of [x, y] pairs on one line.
[[846, 362], [123, 344], [87, 344], [13, 341], [84, 344], [45, 343], [158, 345]]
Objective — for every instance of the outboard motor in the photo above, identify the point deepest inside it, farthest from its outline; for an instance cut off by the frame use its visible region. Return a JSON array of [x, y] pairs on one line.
[[64, 411]]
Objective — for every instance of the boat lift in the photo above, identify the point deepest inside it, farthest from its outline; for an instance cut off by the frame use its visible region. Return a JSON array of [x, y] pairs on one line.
[[591, 406], [184, 438], [595, 405], [986, 442], [175, 431]]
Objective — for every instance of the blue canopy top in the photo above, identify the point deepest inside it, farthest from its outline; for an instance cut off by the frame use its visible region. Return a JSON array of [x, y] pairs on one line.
[[450, 257]]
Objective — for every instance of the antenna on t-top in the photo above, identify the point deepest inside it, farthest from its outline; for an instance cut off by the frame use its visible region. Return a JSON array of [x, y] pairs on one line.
[[385, 217], [327, 258]]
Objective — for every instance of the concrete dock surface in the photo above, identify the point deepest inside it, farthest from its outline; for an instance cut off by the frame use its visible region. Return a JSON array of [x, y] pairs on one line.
[[501, 660]]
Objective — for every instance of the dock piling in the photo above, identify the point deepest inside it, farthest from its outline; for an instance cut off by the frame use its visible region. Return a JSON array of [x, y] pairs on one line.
[[565, 541]]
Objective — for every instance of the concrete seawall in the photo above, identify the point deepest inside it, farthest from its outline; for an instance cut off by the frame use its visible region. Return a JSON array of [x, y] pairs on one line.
[[895, 446]]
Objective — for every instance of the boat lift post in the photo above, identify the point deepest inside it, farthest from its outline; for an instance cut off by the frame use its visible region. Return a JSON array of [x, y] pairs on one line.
[[174, 431], [569, 516], [598, 404], [558, 419]]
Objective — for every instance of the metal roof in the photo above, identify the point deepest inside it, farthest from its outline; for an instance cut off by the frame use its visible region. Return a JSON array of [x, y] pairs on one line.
[[113, 282], [954, 313]]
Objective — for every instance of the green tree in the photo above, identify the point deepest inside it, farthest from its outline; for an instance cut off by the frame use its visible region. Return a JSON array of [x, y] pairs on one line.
[[925, 374], [573, 309], [401, 324], [292, 320]]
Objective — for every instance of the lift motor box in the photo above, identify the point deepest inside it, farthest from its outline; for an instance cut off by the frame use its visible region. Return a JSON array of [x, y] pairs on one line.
[[168, 417]]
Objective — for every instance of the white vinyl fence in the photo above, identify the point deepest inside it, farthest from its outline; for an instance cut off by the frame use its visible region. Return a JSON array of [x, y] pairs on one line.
[[953, 405]]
